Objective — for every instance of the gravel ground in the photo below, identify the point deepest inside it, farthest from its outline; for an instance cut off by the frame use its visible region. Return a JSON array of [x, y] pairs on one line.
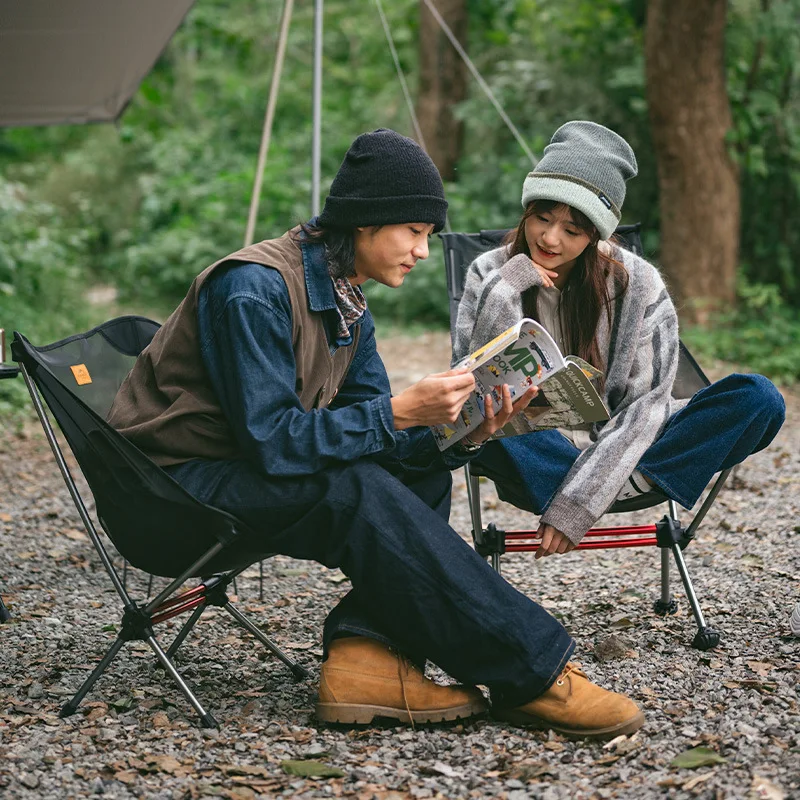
[[134, 735]]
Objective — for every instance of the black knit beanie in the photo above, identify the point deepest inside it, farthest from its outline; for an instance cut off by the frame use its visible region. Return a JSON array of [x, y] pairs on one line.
[[385, 179]]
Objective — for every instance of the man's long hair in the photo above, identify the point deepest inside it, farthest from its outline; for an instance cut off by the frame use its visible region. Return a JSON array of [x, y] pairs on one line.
[[340, 248], [585, 295]]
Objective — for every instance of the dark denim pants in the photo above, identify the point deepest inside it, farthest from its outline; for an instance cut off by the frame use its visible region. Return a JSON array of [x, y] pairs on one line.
[[720, 427], [416, 584]]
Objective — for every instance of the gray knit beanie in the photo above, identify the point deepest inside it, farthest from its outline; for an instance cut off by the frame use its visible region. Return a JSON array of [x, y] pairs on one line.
[[585, 166]]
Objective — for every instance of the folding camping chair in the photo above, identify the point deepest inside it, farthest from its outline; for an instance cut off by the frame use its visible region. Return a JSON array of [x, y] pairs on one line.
[[154, 524], [460, 250]]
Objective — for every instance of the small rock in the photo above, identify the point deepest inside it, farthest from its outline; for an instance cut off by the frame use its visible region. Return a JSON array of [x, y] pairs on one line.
[[29, 779], [35, 691]]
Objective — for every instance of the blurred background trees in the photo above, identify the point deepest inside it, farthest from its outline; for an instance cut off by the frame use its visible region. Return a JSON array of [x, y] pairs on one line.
[[706, 91]]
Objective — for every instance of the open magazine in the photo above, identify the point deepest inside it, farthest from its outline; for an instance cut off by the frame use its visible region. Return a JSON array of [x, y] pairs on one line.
[[525, 355]]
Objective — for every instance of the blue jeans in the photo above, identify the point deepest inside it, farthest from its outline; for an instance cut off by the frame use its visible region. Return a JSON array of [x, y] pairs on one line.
[[416, 584], [720, 427]]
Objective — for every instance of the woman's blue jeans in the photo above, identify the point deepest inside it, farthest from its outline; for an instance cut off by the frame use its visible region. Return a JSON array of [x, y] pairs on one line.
[[416, 584], [720, 427]]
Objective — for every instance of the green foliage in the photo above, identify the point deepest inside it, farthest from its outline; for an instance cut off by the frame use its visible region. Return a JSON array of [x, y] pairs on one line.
[[762, 333], [40, 291], [146, 205], [764, 87]]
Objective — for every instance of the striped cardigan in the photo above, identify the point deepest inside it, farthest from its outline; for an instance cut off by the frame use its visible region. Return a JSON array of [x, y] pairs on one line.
[[641, 358]]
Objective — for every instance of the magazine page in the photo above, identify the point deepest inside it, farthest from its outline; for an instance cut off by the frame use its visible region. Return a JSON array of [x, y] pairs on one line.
[[496, 345], [566, 399], [470, 417], [527, 361], [522, 356]]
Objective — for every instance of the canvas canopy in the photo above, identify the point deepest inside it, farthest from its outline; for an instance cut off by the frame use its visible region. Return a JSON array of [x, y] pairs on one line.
[[76, 61]]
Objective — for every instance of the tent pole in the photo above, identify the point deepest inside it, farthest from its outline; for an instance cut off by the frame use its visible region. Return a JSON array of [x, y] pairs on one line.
[[266, 133], [316, 143]]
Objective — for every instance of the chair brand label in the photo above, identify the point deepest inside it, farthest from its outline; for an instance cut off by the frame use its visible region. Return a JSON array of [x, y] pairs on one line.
[[81, 373]]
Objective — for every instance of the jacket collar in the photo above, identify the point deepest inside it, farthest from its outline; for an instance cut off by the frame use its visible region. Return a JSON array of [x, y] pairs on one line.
[[318, 280]]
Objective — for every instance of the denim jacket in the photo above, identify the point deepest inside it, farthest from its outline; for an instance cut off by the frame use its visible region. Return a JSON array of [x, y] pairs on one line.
[[245, 326]]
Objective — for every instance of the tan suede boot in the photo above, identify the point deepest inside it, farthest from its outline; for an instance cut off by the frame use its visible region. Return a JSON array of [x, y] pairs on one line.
[[578, 709], [362, 679]]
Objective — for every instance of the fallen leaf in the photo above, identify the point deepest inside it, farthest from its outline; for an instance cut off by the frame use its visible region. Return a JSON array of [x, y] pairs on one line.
[[160, 720], [692, 782], [164, 763], [697, 757], [761, 668], [621, 622], [245, 769], [74, 534], [310, 769], [764, 789]]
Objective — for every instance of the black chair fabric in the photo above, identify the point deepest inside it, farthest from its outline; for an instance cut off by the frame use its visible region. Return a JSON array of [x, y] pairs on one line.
[[152, 521]]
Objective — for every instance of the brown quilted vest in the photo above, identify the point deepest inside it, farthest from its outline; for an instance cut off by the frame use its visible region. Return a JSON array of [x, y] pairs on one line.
[[167, 407]]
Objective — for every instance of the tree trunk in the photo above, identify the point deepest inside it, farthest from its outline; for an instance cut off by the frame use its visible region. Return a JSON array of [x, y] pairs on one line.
[[442, 84], [698, 180]]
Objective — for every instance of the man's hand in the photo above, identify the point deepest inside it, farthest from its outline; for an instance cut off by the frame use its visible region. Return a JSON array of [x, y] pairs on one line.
[[434, 400], [493, 421], [553, 541]]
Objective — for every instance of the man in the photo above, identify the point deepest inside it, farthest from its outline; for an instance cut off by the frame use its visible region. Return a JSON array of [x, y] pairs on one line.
[[263, 394]]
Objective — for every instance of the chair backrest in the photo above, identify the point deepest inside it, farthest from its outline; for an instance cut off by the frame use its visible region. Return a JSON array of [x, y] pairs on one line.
[[461, 249], [154, 523]]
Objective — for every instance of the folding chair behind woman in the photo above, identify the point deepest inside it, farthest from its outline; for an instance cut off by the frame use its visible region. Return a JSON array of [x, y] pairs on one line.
[[668, 534]]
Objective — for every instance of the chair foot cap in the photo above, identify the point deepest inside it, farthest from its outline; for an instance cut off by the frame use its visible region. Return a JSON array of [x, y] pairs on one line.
[[299, 673], [666, 609], [705, 639]]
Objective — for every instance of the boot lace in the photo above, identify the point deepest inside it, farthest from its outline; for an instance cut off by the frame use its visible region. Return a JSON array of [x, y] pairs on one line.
[[403, 662], [568, 670]]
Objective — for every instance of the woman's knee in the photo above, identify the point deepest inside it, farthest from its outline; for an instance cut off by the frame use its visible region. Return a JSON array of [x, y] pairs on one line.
[[760, 394]]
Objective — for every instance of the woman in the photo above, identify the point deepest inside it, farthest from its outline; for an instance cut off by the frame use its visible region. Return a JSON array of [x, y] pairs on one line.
[[611, 308]]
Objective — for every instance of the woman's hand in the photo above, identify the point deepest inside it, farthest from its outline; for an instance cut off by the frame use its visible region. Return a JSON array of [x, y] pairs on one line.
[[494, 420], [553, 541], [548, 275]]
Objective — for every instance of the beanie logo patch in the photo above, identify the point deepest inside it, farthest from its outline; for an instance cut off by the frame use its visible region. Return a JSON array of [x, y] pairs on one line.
[[605, 201]]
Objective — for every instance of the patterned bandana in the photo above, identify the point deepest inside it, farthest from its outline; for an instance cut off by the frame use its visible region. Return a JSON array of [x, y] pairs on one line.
[[350, 303]]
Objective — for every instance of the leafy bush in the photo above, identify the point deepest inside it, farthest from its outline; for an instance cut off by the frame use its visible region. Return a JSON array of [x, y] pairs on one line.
[[762, 333], [41, 290]]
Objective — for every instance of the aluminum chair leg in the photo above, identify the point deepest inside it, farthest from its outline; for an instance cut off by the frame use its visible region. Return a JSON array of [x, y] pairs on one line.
[[666, 604], [206, 719], [73, 488], [706, 637], [70, 707], [185, 630], [4, 612], [299, 672], [474, 499]]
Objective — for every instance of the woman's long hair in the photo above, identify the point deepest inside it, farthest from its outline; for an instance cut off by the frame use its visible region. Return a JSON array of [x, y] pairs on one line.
[[585, 295]]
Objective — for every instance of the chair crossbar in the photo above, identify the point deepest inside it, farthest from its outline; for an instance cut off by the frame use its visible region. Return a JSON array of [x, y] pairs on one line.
[[177, 610], [584, 545], [632, 530]]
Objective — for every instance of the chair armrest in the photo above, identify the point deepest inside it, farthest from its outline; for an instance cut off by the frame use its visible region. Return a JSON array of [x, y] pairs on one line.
[[8, 371]]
